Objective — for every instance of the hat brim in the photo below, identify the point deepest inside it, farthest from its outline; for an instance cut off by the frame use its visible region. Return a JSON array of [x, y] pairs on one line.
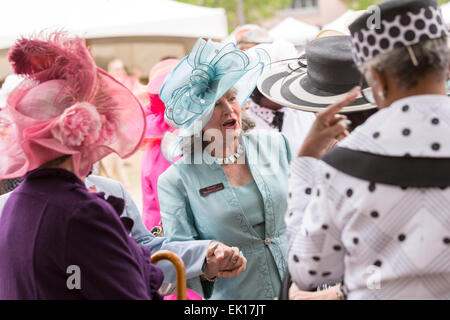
[[122, 132], [295, 89], [128, 114]]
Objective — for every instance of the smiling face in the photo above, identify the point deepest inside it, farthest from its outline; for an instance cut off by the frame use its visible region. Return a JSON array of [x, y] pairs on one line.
[[226, 117]]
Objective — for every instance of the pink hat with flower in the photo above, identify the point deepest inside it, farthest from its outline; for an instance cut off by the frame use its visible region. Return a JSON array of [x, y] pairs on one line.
[[156, 126], [66, 105]]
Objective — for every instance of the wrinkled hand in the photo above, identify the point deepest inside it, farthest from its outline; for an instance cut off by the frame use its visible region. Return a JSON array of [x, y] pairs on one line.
[[327, 128], [224, 261], [329, 294]]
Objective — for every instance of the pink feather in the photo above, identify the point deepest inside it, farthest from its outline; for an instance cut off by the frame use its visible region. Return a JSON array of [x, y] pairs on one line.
[[57, 57]]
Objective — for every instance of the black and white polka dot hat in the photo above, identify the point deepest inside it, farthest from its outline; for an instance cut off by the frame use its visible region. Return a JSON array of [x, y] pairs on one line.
[[402, 23]]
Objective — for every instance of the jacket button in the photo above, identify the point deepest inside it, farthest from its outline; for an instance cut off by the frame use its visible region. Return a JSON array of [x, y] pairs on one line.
[[267, 241]]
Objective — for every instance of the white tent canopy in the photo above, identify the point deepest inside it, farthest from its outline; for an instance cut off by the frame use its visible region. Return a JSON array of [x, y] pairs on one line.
[[342, 22], [93, 19], [294, 31], [446, 12]]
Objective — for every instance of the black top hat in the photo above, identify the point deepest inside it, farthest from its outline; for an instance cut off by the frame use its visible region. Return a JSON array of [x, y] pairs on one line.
[[393, 24], [330, 73]]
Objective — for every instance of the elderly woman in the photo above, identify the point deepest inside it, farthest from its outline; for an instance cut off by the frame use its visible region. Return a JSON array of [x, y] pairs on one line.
[[373, 211], [57, 239], [329, 73], [234, 189]]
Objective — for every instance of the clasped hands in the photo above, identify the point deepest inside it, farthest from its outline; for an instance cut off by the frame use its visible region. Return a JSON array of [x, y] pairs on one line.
[[223, 261]]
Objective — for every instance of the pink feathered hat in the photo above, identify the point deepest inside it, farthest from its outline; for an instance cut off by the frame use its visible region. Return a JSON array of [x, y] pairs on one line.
[[156, 126], [65, 106], [156, 77]]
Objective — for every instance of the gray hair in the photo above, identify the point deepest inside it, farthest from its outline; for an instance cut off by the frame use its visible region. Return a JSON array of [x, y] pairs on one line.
[[431, 55], [187, 144]]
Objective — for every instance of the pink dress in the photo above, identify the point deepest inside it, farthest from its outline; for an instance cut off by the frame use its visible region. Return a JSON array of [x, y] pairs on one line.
[[153, 165], [153, 162]]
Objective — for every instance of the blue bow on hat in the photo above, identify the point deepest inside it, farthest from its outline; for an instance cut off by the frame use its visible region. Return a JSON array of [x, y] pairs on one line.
[[192, 88]]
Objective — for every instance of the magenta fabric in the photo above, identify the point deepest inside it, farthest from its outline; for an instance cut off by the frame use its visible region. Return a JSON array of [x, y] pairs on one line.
[[156, 126], [190, 295], [153, 165], [153, 162]]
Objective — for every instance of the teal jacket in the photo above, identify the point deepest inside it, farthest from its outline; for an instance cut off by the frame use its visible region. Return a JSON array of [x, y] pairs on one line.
[[187, 215]]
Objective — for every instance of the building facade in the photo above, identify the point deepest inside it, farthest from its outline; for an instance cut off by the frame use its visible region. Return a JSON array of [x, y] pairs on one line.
[[315, 12]]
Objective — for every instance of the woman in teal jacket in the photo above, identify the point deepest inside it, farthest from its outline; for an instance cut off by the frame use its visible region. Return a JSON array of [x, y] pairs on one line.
[[233, 190]]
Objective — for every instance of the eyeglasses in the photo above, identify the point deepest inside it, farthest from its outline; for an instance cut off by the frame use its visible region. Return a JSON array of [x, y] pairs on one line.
[[366, 91]]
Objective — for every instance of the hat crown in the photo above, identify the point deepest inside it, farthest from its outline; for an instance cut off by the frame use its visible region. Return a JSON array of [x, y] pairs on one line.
[[395, 24], [191, 89], [330, 62], [330, 73], [391, 9]]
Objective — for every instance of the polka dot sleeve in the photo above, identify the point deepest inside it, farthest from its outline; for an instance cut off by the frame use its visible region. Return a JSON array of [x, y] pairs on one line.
[[316, 253], [301, 184]]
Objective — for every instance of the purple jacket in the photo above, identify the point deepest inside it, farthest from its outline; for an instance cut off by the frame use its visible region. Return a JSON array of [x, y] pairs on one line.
[[51, 225]]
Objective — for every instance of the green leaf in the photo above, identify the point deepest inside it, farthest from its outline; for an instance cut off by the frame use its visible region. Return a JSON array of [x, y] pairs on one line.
[[258, 10]]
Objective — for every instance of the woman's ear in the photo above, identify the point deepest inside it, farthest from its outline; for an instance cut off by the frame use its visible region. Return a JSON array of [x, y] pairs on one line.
[[378, 82]]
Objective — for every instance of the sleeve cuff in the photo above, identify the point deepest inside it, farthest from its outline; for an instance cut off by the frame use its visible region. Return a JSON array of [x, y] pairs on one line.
[[204, 288]]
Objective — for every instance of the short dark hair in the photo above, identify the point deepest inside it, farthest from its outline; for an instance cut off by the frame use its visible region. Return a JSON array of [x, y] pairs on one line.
[[55, 162], [256, 96]]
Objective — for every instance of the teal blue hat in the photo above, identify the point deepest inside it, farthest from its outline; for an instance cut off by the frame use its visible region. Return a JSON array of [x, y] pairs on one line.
[[192, 88]]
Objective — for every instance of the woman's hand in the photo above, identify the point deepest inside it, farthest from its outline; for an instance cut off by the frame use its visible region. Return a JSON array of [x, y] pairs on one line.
[[329, 294], [328, 128], [224, 261]]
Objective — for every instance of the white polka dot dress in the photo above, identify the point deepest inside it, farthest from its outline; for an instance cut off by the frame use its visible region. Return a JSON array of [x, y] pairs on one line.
[[382, 241]]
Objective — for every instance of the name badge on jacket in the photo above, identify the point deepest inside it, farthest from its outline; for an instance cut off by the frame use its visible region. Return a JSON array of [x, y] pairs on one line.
[[211, 189]]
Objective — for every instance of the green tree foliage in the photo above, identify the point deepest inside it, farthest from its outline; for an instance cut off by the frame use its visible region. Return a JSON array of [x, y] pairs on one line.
[[255, 10], [258, 10], [364, 4], [360, 4]]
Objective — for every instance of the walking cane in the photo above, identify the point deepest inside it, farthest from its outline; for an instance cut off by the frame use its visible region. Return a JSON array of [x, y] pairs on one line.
[[179, 268]]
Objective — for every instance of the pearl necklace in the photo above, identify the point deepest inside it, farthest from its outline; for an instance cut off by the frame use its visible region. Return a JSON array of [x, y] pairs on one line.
[[231, 159]]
